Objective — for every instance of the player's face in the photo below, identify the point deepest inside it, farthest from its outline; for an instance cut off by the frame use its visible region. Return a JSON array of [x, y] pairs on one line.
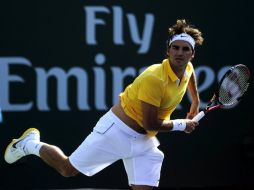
[[180, 53]]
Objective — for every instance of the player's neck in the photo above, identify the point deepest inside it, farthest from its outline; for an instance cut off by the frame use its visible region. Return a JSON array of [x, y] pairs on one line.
[[179, 71]]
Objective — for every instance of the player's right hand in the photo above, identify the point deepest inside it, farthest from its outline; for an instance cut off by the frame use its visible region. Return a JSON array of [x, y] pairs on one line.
[[190, 126]]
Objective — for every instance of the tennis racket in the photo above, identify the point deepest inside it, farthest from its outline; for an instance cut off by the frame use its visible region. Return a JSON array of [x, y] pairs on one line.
[[230, 90]]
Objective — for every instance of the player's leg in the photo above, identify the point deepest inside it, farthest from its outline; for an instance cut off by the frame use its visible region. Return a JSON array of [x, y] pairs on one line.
[[55, 158], [100, 149]]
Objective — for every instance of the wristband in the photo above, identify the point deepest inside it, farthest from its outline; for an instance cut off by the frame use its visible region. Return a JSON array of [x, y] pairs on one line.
[[178, 125]]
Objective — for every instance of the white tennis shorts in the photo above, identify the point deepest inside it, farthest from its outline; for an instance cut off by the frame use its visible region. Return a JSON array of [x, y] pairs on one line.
[[112, 140]]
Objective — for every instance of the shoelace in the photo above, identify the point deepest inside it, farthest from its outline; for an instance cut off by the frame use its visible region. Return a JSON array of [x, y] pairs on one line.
[[21, 145]]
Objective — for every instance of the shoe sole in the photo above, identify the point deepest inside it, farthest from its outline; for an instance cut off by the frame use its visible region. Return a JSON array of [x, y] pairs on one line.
[[15, 140]]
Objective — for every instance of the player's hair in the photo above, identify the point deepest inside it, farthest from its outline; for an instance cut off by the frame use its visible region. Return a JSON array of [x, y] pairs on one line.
[[182, 26]]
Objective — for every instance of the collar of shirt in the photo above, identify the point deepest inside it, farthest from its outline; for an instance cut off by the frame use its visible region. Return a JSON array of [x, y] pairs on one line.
[[171, 73]]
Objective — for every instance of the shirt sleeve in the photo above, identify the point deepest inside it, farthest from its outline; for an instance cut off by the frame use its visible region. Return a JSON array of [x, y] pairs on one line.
[[151, 90]]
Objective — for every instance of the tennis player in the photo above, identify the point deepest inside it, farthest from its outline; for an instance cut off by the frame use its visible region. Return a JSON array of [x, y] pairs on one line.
[[128, 130]]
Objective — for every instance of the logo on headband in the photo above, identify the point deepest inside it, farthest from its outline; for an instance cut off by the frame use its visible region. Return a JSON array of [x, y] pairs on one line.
[[185, 37]]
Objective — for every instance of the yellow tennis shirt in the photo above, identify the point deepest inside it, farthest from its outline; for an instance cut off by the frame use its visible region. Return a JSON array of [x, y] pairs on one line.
[[157, 85]]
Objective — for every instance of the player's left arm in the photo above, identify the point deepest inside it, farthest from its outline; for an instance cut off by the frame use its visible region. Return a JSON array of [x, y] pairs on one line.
[[193, 90]]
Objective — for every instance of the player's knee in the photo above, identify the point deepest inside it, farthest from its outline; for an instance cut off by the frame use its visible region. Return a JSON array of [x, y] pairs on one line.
[[68, 173], [67, 170]]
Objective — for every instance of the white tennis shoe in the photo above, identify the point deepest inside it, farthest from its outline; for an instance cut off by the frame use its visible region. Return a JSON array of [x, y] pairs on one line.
[[17, 148]]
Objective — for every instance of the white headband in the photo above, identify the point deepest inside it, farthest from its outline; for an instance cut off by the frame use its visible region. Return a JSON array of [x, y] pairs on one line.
[[185, 37]]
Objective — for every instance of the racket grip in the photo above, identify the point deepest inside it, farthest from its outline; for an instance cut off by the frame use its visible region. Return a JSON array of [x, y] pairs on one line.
[[199, 116]]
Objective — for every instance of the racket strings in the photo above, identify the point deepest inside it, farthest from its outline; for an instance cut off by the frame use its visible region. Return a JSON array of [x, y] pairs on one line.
[[234, 85]]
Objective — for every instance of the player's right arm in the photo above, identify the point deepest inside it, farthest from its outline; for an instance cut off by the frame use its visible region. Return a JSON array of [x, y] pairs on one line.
[[152, 123]]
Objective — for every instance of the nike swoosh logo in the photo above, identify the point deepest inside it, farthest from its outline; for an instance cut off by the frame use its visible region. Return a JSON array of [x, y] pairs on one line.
[[14, 144], [183, 36]]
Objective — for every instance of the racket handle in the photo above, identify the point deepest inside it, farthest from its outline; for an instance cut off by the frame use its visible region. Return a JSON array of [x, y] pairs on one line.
[[199, 116]]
